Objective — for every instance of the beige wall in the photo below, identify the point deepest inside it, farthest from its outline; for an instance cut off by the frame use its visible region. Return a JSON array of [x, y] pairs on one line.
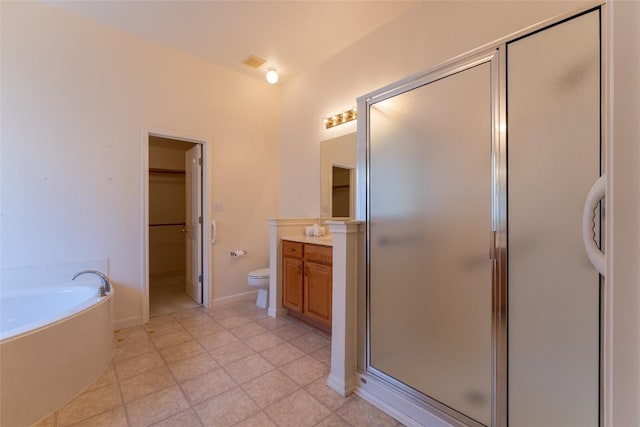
[[76, 97]]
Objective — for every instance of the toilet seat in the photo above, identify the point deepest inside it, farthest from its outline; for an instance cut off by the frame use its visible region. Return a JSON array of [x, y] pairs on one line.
[[262, 273]]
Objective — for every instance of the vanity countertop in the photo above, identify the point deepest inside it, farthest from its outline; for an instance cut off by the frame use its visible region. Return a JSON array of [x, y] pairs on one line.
[[323, 240]]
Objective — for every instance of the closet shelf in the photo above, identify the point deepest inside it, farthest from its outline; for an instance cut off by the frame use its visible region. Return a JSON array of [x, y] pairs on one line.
[[171, 224], [170, 171]]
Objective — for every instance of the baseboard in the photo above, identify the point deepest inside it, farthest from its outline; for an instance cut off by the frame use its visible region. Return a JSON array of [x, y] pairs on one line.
[[244, 296], [277, 312], [344, 388], [397, 406], [127, 322]]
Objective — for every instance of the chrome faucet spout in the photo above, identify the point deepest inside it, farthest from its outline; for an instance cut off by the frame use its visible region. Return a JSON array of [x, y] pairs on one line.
[[105, 287]]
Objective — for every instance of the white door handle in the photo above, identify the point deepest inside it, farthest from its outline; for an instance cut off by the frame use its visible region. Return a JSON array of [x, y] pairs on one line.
[[214, 231], [596, 256]]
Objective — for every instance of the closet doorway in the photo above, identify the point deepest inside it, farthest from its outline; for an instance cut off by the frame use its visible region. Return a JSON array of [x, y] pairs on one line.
[[175, 225]]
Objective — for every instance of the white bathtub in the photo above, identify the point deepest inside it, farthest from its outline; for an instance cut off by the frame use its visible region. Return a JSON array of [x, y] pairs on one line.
[[54, 342]]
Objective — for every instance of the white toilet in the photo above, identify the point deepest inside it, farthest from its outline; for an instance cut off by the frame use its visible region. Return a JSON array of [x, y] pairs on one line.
[[260, 279]]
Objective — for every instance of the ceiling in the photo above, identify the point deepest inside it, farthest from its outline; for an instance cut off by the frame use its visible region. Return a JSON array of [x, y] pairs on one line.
[[293, 36]]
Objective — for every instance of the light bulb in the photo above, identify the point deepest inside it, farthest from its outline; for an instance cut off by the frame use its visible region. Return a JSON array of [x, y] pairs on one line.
[[272, 76]]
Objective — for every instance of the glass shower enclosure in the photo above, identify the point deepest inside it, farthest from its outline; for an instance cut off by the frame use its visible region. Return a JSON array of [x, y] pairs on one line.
[[479, 302]]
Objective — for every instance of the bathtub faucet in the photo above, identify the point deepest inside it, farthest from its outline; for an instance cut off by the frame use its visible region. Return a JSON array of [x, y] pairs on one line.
[[105, 287]]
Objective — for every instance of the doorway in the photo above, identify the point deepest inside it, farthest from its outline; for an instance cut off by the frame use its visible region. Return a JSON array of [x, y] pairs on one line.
[[342, 195], [175, 252]]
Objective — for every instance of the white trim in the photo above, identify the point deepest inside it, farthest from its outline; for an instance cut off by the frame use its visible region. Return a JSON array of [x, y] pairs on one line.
[[344, 388], [144, 221], [388, 401], [344, 335], [144, 209]]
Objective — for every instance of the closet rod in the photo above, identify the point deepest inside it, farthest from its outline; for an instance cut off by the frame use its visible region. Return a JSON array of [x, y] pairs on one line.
[[173, 224], [171, 171]]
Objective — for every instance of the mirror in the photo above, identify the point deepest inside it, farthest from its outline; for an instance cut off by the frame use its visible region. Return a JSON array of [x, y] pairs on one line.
[[338, 158]]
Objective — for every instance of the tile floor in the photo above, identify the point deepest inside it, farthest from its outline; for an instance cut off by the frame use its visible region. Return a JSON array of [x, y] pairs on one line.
[[228, 366], [166, 295]]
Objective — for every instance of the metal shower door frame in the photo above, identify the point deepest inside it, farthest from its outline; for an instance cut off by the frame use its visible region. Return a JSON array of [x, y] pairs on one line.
[[497, 242]]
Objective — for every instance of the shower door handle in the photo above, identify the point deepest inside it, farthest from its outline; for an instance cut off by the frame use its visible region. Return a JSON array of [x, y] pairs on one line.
[[214, 231], [595, 254], [492, 245]]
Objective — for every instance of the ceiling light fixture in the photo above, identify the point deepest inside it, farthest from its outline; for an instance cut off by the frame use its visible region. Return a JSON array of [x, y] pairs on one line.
[[272, 76]]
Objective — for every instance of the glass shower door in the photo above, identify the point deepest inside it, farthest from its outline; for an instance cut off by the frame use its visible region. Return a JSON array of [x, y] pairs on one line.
[[429, 213]]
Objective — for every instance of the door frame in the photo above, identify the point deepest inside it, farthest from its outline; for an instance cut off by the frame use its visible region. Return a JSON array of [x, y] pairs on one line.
[[144, 213]]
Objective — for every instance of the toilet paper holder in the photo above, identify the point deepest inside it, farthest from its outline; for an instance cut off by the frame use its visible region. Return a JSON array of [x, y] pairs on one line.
[[238, 252]]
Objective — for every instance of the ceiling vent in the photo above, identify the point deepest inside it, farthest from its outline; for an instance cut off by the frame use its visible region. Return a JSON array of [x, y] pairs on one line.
[[253, 61]]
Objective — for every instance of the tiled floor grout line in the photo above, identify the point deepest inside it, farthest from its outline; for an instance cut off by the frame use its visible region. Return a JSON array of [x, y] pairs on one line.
[[124, 406], [276, 368], [238, 385], [241, 385], [196, 330], [260, 409], [177, 383], [208, 352], [224, 367]]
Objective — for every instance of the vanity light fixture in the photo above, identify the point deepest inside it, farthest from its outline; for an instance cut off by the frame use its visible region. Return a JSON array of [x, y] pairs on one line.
[[340, 118], [272, 76]]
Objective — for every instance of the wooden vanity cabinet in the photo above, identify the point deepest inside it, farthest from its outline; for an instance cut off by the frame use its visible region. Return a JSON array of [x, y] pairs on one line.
[[307, 282], [292, 284]]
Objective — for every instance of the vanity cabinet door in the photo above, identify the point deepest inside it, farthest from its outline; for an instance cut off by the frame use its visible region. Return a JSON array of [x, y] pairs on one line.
[[317, 292], [292, 283]]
